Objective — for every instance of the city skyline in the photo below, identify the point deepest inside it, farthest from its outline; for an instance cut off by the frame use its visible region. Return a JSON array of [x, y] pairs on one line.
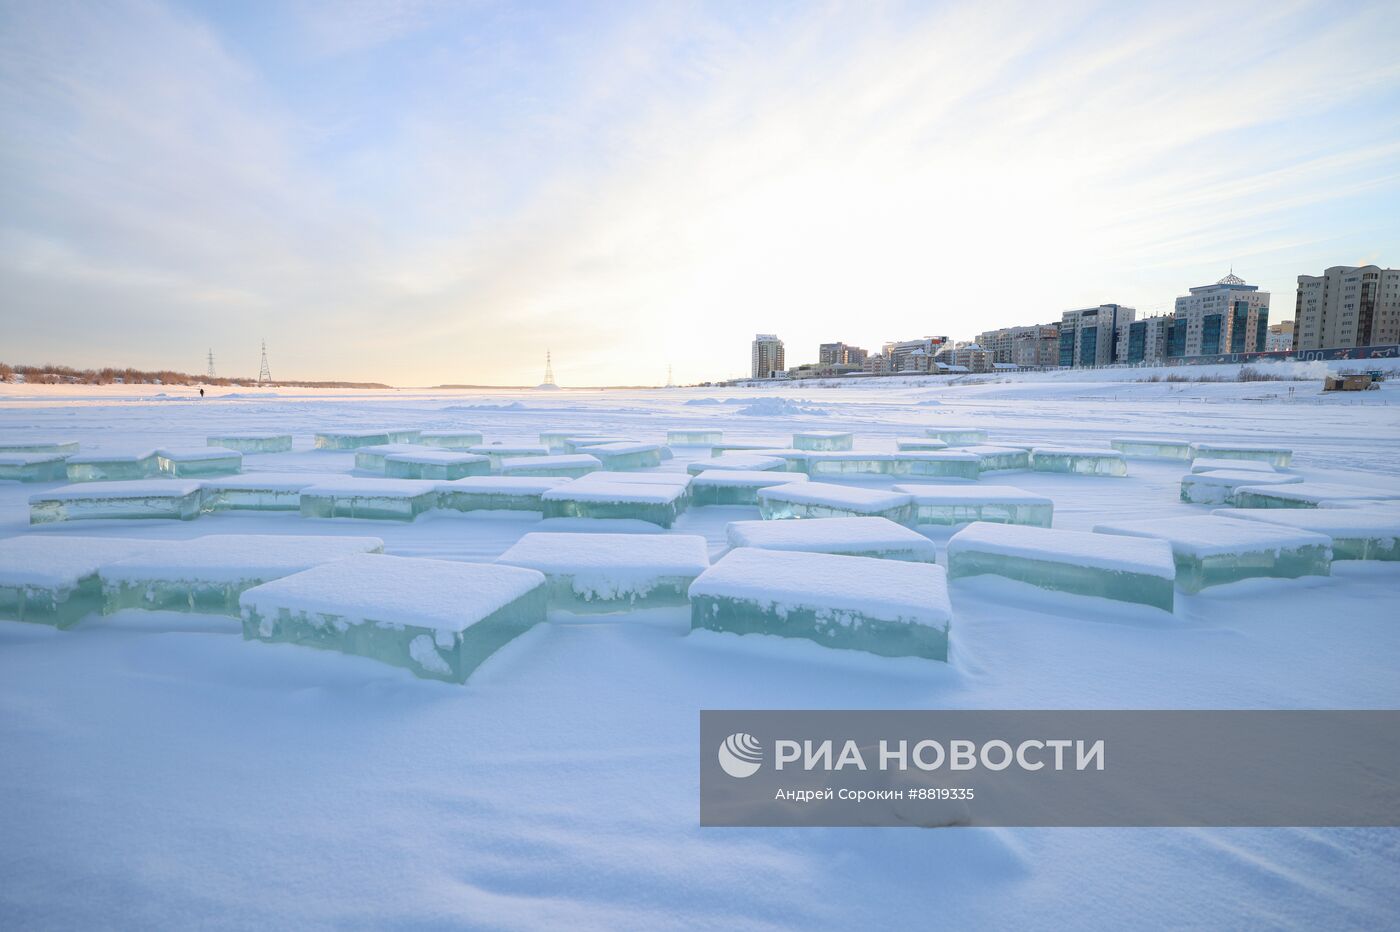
[[430, 194]]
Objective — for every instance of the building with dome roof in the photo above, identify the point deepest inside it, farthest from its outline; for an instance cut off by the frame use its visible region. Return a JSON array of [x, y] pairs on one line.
[[1230, 316]]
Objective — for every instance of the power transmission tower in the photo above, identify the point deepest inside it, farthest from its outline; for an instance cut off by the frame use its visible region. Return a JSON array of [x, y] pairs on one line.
[[548, 369], [211, 363], [264, 373], [670, 382]]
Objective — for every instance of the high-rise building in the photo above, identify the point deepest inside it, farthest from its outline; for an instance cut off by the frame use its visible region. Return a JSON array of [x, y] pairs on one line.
[[840, 354], [1227, 317], [1280, 337], [973, 357], [1347, 306], [913, 355], [1145, 340], [1089, 336], [1036, 345], [767, 358]]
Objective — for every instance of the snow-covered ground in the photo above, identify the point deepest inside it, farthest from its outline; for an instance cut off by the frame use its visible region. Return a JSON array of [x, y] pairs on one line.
[[157, 771]]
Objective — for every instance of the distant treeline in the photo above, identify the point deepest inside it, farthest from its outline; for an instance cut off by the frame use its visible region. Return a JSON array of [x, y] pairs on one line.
[[50, 374]]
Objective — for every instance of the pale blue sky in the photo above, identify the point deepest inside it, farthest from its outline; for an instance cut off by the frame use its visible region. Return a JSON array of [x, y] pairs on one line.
[[422, 192]]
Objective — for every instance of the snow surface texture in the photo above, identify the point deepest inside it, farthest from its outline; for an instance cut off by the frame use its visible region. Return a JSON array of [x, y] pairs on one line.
[[867, 537], [558, 786]]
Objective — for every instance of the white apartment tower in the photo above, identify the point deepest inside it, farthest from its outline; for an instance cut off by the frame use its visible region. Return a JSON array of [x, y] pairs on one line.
[[1089, 336], [1347, 306], [1227, 317], [767, 357]]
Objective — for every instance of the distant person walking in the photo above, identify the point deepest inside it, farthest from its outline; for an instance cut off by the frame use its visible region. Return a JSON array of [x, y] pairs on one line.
[[201, 393]]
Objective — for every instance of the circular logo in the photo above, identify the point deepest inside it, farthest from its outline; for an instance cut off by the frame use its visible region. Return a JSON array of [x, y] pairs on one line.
[[740, 755]]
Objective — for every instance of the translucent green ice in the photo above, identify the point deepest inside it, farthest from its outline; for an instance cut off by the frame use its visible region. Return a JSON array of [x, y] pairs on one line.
[[354, 439], [435, 464], [962, 504], [958, 436], [199, 461], [694, 436], [655, 503], [624, 455], [459, 440], [253, 443], [34, 467], [382, 499], [1278, 457], [53, 580], [496, 493], [178, 499], [1152, 448], [1079, 461], [112, 466], [823, 440]]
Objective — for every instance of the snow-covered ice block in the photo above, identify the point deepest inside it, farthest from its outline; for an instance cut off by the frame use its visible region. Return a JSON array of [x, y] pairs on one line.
[[961, 504], [208, 574], [854, 537], [435, 464], [509, 451], [793, 460], [580, 443], [39, 446], [354, 439], [496, 493], [1080, 461], [1306, 494], [737, 486], [569, 466], [554, 439], [252, 443], [678, 479], [746, 462], [624, 455], [138, 498], [112, 465], [737, 446], [1356, 535], [1279, 457], [894, 608], [436, 618], [995, 457], [187, 462], [381, 499], [823, 440], [53, 580], [825, 500], [1123, 569], [35, 467], [1155, 448], [920, 443], [656, 502], [1218, 486], [260, 491], [1208, 464], [1210, 550], [452, 439], [958, 436], [371, 459], [612, 572], [943, 464], [694, 436]]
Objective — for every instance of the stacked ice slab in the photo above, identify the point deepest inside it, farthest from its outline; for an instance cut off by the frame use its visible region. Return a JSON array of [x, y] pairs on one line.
[[1209, 464], [1306, 495], [879, 538], [354, 439], [580, 443], [625, 454], [454, 439], [436, 618], [142, 498], [1156, 448], [737, 486], [737, 446], [1079, 461], [992, 458], [825, 500], [496, 493], [961, 504], [612, 572], [1219, 486], [208, 574], [693, 436], [1125, 569], [497, 452], [958, 436], [944, 464], [1211, 550], [1356, 535], [435, 464], [929, 444], [567, 466], [260, 491], [823, 440], [656, 497], [373, 458], [889, 607], [113, 465], [380, 499], [1278, 457], [192, 462], [34, 467], [743, 461], [53, 580], [253, 443]]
